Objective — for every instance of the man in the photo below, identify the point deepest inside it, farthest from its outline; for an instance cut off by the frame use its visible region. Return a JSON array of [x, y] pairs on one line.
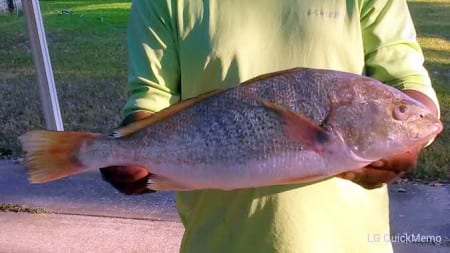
[[180, 49]]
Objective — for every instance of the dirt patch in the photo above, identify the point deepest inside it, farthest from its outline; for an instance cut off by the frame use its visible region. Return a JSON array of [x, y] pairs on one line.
[[22, 209]]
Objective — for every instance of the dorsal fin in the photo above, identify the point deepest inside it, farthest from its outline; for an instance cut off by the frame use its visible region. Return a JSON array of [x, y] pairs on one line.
[[161, 115]]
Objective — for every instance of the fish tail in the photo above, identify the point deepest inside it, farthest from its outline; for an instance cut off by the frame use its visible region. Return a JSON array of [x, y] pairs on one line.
[[50, 155]]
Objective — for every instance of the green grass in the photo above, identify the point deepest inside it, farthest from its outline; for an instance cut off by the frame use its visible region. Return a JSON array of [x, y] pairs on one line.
[[432, 21], [87, 41], [88, 52]]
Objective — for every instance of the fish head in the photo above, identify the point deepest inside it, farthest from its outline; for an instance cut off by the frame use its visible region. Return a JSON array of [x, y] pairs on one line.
[[377, 121]]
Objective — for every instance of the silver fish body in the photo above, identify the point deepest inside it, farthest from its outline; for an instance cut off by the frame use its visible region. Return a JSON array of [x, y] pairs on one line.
[[293, 126]]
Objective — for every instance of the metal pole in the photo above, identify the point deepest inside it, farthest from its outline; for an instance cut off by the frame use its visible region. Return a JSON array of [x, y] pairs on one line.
[[36, 33]]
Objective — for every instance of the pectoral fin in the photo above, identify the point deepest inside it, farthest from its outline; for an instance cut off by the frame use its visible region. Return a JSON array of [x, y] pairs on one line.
[[299, 127]]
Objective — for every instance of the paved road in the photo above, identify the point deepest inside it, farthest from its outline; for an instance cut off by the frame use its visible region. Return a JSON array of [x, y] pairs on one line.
[[91, 217], [417, 209], [82, 194]]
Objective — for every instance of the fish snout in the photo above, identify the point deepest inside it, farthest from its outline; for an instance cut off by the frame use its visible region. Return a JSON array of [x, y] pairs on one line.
[[438, 127]]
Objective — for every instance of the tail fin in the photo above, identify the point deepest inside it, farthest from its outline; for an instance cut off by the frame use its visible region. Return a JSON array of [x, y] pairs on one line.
[[51, 155]]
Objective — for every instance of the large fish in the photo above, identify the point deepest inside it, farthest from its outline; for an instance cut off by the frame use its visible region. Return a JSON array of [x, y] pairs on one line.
[[292, 126]]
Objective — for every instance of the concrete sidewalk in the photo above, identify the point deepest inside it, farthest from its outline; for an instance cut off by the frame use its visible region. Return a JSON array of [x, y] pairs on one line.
[[89, 216], [56, 233]]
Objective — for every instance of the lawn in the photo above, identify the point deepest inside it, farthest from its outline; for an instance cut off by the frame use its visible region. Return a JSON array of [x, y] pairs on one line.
[[88, 51]]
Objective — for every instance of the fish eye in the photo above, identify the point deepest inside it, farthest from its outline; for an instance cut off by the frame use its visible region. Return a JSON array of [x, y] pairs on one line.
[[401, 112]]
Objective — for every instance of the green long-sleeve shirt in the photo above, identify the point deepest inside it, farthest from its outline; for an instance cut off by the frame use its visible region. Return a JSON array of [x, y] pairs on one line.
[[179, 49]]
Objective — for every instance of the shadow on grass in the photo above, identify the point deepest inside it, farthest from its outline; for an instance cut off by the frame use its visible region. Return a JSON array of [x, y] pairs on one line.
[[431, 18], [440, 75]]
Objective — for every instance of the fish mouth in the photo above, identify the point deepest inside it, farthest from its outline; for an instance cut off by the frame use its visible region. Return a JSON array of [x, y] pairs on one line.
[[421, 142], [436, 129], [432, 131]]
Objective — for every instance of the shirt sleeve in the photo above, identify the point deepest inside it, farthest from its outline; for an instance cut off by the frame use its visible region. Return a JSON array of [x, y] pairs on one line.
[[153, 74], [392, 52]]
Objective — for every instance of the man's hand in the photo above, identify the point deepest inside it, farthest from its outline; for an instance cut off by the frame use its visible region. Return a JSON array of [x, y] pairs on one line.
[[128, 179], [388, 170], [383, 171]]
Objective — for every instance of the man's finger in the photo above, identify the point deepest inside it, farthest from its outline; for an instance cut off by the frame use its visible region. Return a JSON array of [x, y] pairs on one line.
[[134, 188], [123, 173], [370, 178], [400, 163]]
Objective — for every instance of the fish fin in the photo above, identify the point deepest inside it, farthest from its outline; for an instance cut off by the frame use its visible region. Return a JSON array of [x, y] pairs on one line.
[[160, 183], [161, 115], [50, 155], [299, 127]]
